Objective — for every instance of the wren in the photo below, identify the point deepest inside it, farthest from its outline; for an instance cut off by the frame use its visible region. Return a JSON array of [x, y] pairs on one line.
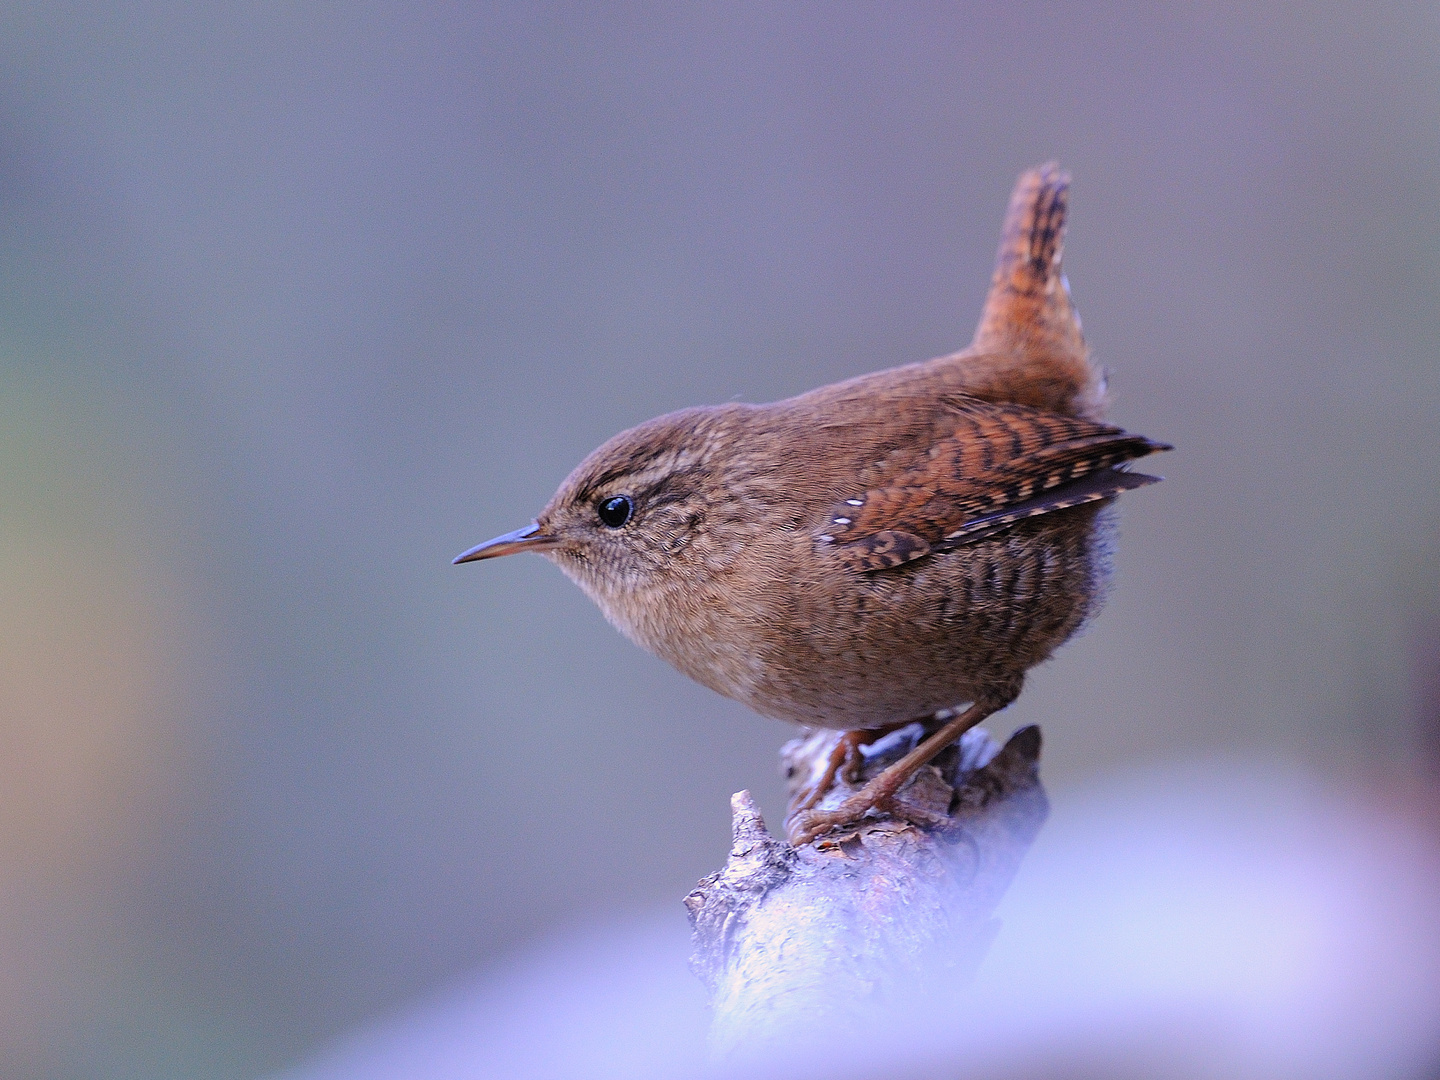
[[877, 551]]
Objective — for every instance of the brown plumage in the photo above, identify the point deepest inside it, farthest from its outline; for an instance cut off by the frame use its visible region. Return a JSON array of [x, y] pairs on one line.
[[878, 550]]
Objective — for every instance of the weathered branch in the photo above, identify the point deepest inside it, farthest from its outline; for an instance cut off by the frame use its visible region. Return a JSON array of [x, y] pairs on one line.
[[788, 938]]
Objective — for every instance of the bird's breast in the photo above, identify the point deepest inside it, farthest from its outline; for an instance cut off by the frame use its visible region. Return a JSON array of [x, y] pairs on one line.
[[813, 642]]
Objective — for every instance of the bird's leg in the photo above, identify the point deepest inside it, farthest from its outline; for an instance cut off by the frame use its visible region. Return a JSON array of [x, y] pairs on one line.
[[806, 824], [840, 754], [845, 761]]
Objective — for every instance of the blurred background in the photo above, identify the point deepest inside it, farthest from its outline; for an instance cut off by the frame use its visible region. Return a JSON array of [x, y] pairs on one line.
[[299, 301]]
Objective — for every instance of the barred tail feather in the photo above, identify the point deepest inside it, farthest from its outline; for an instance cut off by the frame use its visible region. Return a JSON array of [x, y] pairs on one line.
[[1029, 348]]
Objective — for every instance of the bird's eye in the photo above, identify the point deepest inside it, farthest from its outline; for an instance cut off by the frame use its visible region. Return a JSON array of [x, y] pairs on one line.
[[617, 511]]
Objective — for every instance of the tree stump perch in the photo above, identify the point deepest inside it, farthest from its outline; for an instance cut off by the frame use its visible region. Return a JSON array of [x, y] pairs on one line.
[[793, 940]]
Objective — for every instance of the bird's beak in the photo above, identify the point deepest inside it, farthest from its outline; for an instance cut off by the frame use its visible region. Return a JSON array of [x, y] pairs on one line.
[[530, 538]]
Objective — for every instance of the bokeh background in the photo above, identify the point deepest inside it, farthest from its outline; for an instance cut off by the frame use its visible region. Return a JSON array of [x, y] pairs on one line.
[[298, 301]]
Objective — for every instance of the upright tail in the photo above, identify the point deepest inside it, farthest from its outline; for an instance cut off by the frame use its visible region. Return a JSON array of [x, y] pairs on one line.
[[1029, 348]]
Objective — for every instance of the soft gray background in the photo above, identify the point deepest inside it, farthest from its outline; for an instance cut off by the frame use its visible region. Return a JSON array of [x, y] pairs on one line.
[[296, 302]]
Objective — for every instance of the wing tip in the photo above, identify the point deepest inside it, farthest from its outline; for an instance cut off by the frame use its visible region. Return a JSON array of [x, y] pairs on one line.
[[1138, 479]]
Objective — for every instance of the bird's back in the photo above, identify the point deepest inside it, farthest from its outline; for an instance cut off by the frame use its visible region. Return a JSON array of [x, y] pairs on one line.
[[864, 649]]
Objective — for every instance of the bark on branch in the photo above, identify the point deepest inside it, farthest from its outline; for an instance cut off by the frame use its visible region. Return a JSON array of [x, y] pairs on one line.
[[790, 939]]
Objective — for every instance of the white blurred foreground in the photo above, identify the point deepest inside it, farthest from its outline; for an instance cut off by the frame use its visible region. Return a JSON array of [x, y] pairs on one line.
[[1223, 921]]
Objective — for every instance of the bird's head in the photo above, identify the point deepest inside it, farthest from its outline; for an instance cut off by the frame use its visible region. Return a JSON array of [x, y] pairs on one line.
[[655, 508]]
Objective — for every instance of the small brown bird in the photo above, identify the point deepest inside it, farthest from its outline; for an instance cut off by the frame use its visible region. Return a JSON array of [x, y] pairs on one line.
[[876, 551]]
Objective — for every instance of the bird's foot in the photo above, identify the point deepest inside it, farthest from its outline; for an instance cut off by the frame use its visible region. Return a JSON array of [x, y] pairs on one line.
[[805, 823], [809, 825]]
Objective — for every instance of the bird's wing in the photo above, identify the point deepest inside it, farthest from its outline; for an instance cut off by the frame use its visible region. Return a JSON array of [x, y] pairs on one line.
[[997, 465]]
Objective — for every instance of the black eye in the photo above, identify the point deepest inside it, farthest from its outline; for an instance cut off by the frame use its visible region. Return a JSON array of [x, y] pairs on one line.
[[616, 512]]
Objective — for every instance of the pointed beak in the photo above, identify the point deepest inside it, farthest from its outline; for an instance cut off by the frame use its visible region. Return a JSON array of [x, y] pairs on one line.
[[530, 538]]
